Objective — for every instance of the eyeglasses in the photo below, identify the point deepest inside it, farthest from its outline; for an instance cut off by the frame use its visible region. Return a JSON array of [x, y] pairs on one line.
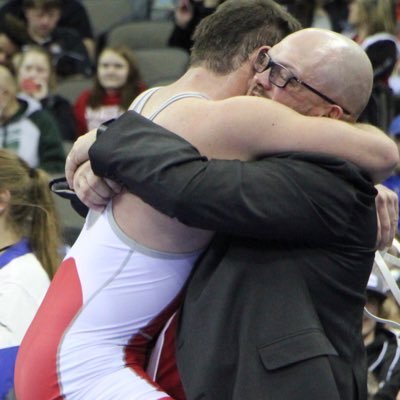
[[280, 76]]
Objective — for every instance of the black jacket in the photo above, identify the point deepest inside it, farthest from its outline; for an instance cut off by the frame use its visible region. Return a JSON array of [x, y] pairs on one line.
[[63, 113], [274, 308]]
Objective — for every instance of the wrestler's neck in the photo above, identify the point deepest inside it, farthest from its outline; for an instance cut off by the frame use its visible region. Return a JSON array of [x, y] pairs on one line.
[[216, 86]]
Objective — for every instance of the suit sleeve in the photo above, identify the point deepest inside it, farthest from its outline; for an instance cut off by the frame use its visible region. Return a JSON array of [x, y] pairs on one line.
[[276, 198]]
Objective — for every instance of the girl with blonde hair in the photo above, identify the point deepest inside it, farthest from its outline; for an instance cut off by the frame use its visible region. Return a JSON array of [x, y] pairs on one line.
[[29, 253]]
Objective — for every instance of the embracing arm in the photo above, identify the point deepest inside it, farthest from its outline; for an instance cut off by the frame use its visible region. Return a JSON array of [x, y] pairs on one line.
[[272, 198], [112, 157], [248, 127]]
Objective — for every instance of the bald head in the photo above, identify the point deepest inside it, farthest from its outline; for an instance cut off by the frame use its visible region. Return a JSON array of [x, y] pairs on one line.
[[331, 63]]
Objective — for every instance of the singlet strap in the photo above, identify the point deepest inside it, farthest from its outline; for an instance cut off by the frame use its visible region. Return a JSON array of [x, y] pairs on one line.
[[140, 101], [177, 97]]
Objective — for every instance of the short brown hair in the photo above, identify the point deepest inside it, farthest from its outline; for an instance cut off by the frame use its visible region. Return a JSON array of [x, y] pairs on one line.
[[226, 38], [43, 4]]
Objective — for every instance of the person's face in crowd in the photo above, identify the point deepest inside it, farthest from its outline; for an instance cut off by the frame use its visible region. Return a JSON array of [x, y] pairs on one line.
[[41, 23], [112, 70], [33, 72], [7, 49], [7, 90]]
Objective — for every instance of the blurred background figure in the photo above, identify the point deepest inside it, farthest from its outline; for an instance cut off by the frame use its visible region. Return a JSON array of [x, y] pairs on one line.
[[8, 48], [67, 49], [374, 28], [36, 78], [303, 10], [383, 352], [29, 245], [374, 25], [337, 11], [11, 41], [116, 84], [27, 129], [188, 13], [73, 16]]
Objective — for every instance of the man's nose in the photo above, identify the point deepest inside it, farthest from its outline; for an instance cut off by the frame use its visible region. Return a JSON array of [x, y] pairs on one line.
[[262, 79]]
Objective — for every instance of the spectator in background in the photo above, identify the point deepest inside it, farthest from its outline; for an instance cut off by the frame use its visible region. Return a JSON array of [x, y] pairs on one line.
[[188, 13], [73, 16], [12, 37], [374, 27], [116, 84], [29, 243], [27, 129], [8, 48], [302, 10], [383, 353], [337, 11], [36, 78], [69, 54]]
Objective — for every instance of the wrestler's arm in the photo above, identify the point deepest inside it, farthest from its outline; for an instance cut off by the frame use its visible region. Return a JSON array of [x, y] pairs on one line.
[[113, 157], [245, 127], [273, 198], [249, 127], [118, 139]]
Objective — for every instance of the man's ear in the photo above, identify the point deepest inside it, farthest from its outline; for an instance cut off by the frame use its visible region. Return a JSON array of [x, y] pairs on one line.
[[255, 53], [335, 112]]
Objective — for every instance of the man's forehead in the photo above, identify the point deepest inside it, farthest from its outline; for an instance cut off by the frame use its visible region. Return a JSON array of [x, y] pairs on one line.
[[288, 58]]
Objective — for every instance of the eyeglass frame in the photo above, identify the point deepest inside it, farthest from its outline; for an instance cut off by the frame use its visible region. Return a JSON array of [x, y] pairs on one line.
[[260, 67]]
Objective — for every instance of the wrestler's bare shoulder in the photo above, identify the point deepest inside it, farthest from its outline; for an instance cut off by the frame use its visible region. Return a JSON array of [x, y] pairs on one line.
[[214, 127], [217, 127]]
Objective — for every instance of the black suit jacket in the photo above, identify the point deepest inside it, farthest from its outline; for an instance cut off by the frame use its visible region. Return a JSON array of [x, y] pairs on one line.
[[274, 308]]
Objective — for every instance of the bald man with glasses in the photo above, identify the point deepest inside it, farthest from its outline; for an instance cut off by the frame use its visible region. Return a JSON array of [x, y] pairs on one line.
[[280, 77]]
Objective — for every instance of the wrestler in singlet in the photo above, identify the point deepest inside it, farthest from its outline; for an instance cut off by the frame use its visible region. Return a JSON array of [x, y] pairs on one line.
[[110, 297]]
